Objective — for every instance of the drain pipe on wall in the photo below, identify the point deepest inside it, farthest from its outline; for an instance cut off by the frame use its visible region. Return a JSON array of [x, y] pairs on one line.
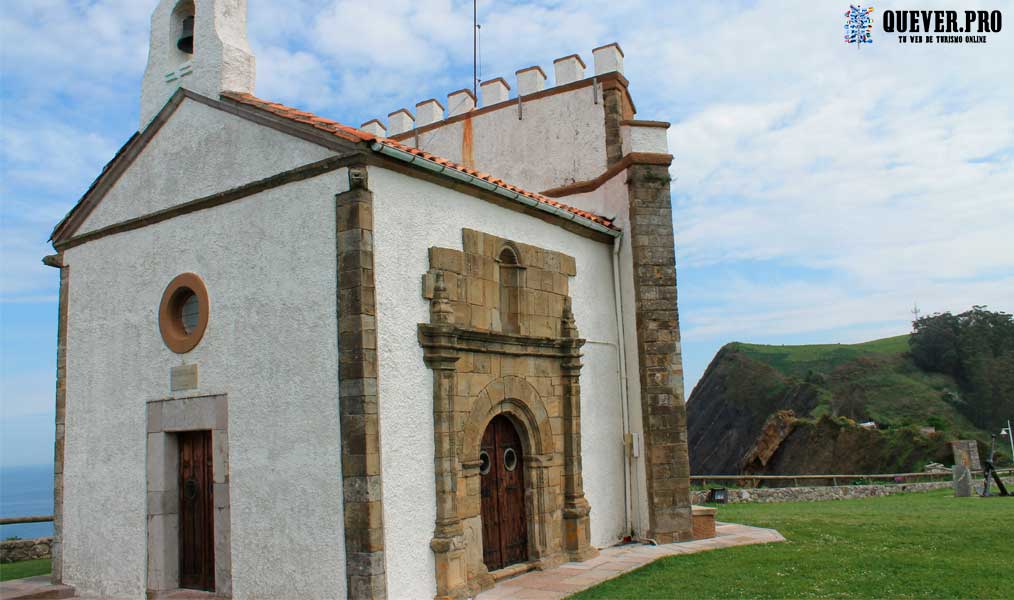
[[622, 371], [630, 443]]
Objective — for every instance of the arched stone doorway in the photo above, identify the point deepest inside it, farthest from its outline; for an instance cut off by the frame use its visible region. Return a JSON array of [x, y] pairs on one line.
[[502, 484], [497, 389]]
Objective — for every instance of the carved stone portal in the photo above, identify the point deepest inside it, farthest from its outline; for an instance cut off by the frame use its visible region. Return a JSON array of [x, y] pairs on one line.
[[528, 373]]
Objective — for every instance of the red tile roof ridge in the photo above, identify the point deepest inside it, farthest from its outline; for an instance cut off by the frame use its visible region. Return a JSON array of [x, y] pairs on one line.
[[354, 134]]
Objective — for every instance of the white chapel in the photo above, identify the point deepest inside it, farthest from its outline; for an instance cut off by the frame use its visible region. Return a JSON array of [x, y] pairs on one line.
[[300, 359]]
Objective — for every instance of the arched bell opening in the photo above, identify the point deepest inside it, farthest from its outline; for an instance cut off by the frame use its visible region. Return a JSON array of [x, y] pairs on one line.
[[182, 32]]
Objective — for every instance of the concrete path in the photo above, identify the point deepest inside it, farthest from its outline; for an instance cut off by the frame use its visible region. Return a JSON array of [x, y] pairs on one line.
[[612, 562], [560, 582]]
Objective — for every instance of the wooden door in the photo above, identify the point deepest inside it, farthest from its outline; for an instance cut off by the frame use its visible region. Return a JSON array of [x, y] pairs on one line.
[[504, 525], [197, 524]]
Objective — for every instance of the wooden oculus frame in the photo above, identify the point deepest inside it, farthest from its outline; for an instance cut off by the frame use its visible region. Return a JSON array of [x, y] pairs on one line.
[[170, 313]]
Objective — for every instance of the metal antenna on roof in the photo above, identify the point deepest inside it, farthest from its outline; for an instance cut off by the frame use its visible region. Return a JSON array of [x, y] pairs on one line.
[[475, 49]]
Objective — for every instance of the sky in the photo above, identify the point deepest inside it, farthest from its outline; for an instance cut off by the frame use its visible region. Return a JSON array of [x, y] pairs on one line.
[[820, 189]]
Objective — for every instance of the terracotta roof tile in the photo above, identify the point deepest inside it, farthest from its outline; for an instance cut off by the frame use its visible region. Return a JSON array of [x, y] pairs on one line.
[[358, 135]]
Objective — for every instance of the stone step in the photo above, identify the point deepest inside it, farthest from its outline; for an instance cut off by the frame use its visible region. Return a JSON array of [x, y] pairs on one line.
[[39, 587]]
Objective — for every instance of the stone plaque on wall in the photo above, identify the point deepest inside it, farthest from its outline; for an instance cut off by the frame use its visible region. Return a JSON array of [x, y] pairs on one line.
[[183, 377]]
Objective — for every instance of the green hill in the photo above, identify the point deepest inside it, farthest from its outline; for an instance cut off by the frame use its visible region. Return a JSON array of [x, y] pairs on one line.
[[781, 401], [799, 360], [871, 381]]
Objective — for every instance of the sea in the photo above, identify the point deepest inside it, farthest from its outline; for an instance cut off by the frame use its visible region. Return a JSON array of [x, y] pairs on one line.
[[26, 491]]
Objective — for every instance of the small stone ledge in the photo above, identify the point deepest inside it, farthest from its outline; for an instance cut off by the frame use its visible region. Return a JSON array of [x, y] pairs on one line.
[[703, 522]]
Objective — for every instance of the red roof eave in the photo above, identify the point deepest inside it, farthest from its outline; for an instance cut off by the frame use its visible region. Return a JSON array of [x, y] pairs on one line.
[[352, 134]]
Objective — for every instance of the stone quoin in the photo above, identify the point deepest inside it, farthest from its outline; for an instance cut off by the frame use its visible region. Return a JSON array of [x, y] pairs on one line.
[[388, 361]]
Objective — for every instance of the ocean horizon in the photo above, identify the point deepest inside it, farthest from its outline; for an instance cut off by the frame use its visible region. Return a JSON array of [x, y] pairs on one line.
[[26, 491]]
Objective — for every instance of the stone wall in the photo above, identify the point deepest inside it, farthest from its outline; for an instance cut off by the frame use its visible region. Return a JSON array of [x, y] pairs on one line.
[[19, 550], [831, 492], [358, 402], [663, 410]]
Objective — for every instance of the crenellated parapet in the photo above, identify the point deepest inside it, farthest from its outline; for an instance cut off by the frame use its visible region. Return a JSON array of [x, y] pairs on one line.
[[529, 80], [524, 130]]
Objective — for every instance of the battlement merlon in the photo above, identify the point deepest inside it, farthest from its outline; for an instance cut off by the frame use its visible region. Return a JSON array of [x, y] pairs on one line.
[[530, 139]]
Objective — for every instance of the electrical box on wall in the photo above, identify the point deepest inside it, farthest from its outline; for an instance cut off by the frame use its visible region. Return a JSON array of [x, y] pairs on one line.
[[632, 442]]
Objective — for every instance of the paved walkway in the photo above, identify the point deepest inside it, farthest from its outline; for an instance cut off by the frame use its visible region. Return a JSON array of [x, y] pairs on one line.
[[555, 583], [571, 578]]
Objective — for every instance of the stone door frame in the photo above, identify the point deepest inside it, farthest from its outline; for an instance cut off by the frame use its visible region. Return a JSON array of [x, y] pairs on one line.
[[166, 418], [516, 399], [557, 511]]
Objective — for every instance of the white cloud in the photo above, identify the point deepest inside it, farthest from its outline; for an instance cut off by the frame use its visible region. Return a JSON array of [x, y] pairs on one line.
[[78, 44], [22, 273], [860, 171], [297, 78], [33, 153], [745, 310], [25, 394]]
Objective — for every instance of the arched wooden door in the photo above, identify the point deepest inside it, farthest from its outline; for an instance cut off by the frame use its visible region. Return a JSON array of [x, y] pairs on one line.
[[504, 525]]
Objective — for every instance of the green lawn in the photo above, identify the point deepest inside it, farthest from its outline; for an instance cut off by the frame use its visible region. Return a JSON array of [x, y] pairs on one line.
[[927, 545], [27, 568]]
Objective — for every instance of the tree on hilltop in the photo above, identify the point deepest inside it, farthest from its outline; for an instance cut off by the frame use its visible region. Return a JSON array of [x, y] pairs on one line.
[[975, 347]]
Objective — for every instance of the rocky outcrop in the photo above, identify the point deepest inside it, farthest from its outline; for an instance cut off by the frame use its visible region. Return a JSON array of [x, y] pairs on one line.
[[729, 406], [746, 417], [775, 430], [838, 445]]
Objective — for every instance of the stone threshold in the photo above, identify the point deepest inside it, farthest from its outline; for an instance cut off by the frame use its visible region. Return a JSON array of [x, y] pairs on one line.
[[570, 578], [38, 587], [512, 571], [183, 593]]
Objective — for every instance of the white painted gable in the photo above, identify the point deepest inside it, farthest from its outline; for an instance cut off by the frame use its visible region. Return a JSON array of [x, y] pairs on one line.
[[198, 152]]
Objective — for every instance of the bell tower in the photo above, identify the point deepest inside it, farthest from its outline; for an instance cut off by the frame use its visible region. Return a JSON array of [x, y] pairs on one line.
[[200, 45]]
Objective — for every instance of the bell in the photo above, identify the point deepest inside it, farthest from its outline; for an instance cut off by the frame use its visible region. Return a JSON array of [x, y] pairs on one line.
[[186, 41]]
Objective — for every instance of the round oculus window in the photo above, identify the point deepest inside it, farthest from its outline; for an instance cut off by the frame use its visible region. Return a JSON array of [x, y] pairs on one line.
[[183, 313]]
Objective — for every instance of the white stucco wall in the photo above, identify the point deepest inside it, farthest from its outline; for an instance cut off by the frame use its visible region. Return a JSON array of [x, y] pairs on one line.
[[199, 152], [640, 138], [611, 200], [408, 219], [271, 346], [559, 140]]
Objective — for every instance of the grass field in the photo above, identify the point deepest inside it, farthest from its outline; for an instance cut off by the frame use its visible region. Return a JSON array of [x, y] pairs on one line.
[[928, 545], [28, 568]]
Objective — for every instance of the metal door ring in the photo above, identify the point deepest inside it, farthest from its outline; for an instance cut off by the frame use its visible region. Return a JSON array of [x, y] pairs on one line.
[[510, 459]]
